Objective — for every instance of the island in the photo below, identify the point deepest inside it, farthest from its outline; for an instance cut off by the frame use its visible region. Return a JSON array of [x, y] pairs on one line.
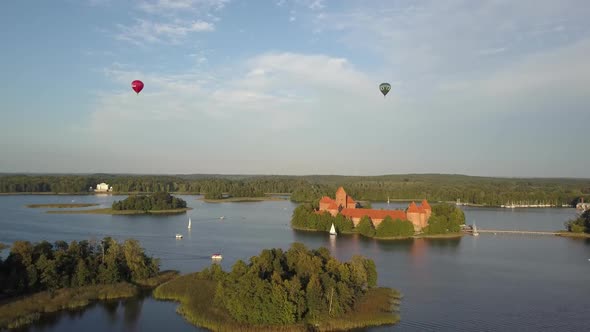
[[161, 203], [347, 216], [293, 290], [42, 277]]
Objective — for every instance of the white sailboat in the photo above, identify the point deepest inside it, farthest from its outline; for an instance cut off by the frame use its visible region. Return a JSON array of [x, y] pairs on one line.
[[178, 236], [475, 233], [332, 230], [189, 222], [387, 200], [222, 217]]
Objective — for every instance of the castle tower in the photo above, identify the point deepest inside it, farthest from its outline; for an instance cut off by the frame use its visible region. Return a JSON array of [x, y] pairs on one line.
[[341, 197], [413, 215]]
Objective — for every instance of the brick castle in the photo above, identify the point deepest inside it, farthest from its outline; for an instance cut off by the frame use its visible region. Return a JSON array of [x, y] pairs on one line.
[[348, 207]]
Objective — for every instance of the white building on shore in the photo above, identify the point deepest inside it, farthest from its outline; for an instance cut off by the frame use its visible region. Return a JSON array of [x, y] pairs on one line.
[[103, 187]]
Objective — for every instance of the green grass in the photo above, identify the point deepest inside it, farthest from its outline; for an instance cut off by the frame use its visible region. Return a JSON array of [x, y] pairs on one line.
[[377, 307], [61, 206], [120, 212], [161, 278], [28, 309]]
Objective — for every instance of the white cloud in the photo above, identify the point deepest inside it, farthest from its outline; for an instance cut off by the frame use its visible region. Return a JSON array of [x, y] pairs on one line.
[[271, 92], [152, 32], [165, 6], [492, 51]]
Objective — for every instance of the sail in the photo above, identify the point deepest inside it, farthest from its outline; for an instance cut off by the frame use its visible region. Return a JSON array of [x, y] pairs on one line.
[[332, 229], [189, 222]]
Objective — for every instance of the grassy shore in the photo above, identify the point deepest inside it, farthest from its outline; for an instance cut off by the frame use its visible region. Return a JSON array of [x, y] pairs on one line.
[[378, 307], [120, 212], [242, 199], [27, 310], [61, 206], [572, 234]]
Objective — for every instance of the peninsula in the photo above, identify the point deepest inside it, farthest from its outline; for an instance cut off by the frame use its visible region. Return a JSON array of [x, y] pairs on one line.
[[295, 290]]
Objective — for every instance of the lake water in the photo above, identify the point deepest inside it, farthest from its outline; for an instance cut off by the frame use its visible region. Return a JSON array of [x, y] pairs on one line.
[[485, 283]]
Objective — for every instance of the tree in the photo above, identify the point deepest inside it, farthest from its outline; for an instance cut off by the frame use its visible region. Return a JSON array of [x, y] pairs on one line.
[[82, 274], [135, 260], [580, 224], [366, 227], [48, 273]]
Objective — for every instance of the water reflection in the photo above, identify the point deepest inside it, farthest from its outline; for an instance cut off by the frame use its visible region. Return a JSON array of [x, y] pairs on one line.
[[124, 313]]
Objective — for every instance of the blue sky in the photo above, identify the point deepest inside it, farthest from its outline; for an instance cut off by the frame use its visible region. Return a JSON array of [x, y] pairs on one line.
[[494, 88]]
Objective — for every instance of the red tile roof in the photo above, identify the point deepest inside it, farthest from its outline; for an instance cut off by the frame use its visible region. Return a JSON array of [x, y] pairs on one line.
[[350, 200], [425, 204], [413, 208], [326, 199], [340, 189], [333, 206], [373, 214]]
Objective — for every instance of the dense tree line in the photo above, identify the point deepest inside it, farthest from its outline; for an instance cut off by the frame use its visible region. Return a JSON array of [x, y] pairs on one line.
[[580, 224], [44, 266], [434, 187], [298, 285], [154, 202]]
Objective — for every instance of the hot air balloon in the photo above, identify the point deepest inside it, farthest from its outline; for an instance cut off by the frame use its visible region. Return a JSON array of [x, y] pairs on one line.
[[137, 86], [384, 87]]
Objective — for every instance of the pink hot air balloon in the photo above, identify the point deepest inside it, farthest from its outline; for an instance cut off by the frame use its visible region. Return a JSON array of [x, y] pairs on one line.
[[137, 86]]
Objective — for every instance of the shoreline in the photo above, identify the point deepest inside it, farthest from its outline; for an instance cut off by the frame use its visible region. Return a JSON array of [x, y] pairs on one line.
[[573, 235], [242, 199], [25, 310], [61, 206], [392, 238], [112, 212]]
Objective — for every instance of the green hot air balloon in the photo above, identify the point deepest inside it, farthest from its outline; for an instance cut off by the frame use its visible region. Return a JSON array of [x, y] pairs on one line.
[[384, 87]]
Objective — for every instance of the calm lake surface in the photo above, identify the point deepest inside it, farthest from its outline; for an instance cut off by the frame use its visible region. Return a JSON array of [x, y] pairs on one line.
[[485, 283]]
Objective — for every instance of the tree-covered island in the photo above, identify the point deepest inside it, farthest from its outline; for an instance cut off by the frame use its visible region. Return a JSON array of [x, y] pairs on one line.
[[39, 278], [292, 290], [445, 220]]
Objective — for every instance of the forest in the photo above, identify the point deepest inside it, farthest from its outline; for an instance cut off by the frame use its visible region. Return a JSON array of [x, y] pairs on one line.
[[445, 219], [35, 267], [154, 202], [279, 288], [434, 187]]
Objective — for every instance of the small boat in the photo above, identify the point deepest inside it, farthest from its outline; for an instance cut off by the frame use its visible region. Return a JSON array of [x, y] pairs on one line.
[[332, 230], [189, 222], [216, 256], [475, 233], [179, 236], [222, 217]]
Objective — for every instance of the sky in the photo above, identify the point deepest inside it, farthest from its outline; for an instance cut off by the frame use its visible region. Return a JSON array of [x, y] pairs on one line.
[[489, 88]]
